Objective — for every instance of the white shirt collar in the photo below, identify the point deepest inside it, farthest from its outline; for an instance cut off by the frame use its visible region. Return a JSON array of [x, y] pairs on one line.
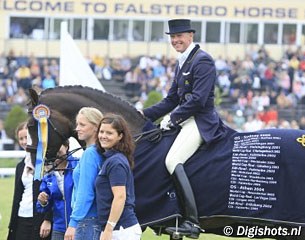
[[183, 56]]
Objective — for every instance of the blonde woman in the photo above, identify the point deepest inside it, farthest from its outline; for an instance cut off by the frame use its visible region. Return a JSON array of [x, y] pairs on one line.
[[83, 221]]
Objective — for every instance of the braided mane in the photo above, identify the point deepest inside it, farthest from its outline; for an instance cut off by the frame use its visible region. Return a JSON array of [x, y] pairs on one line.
[[86, 96]]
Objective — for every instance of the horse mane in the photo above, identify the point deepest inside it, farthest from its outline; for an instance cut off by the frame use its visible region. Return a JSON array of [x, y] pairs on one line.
[[101, 98], [94, 93]]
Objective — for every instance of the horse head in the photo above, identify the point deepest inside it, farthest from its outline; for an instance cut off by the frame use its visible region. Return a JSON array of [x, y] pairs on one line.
[[63, 104], [60, 128]]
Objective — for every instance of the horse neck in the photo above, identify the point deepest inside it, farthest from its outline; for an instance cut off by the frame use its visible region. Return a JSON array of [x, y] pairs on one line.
[[69, 104]]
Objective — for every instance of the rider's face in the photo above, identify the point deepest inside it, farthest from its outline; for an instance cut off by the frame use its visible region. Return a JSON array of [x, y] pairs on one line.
[[181, 41]]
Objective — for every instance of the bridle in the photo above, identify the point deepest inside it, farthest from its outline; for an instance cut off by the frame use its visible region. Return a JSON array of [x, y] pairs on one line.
[[50, 152], [51, 161]]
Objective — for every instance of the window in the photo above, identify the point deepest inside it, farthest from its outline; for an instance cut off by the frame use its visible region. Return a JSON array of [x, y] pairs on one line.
[[213, 32], [120, 29], [79, 28], [101, 29], [197, 27], [138, 30], [55, 27], [289, 34], [22, 27], [234, 33], [250, 33], [303, 35], [157, 32], [270, 33]]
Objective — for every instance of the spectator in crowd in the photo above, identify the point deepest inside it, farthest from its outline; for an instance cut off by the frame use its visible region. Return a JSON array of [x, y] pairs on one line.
[[23, 76], [83, 220], [2, 131], [25, 222], [3, 137], [56, 192], [253, 123], [114, 184], [48, 82], [20, 97]]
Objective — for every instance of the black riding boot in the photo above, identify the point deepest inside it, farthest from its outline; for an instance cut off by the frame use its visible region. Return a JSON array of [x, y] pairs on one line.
[[190, 226]]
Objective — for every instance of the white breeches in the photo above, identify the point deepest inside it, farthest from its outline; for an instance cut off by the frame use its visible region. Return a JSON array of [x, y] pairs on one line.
[[184, 146], [131, 233]]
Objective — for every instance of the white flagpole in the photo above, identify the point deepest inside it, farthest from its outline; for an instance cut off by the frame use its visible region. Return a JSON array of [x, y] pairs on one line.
[[74, 69]]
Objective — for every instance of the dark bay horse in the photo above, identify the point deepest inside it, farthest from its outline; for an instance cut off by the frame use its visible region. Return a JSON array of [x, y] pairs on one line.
[[246, 185]]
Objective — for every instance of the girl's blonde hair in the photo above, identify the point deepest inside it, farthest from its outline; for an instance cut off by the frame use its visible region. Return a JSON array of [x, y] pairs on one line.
[[93, 115]]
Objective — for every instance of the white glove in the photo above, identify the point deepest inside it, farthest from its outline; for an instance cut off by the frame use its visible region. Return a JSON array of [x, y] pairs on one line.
[[166, 123]]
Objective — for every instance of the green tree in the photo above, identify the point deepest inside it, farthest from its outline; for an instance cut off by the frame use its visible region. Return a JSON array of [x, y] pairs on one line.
[[13, 119], [153, 98], [218, 96]]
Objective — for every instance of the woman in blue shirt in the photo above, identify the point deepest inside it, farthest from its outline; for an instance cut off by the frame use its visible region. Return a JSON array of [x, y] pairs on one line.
[[114, 184], [83, 221]]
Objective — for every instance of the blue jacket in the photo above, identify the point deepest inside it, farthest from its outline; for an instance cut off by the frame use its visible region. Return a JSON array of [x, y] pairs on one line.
[[192, 94], [83, 195], [61, 205]]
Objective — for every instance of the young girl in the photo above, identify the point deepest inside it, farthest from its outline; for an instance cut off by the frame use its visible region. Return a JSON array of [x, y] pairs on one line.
[[56, 191], [114, 184], [25, 222], [83, 221]]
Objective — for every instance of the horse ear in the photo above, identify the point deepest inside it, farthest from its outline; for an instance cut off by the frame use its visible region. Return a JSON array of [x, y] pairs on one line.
[[33, 97]]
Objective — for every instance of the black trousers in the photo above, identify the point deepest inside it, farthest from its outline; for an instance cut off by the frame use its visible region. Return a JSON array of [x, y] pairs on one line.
[[24, 230]]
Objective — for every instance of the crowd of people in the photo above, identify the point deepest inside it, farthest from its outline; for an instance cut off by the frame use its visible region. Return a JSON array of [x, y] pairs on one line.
[[251, 87]]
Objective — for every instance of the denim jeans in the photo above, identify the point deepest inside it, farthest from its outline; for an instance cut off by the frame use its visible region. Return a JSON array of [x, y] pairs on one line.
[[57, 235], [88, 228]]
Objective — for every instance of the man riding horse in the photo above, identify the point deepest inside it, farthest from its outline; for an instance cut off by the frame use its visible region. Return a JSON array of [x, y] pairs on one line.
[[191, 100]]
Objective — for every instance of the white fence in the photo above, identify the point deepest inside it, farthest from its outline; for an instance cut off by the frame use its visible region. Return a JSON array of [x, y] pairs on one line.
[[12, 154], [21, 154]]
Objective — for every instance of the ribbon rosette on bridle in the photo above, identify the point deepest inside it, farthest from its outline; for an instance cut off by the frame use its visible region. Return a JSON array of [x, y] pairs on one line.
[[41, 113]]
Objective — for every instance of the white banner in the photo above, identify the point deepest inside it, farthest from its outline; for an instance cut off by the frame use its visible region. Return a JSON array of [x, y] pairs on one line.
[[74, 69]]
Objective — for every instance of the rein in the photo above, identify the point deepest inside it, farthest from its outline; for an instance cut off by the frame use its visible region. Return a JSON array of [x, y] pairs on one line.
[[63, 137], [153, 135], [61, 158]]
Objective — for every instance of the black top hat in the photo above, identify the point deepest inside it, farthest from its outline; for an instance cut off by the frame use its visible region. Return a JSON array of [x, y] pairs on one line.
[[179, 26]]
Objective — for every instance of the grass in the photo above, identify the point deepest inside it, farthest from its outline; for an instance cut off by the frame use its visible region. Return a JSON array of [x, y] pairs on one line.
[[8, 162], [7, 188]]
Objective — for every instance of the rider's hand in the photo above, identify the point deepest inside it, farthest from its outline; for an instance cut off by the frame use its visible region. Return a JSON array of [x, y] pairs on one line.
[[166, 123], [140, 111]]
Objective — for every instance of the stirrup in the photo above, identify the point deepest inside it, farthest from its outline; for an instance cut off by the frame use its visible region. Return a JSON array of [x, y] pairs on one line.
[[176, 234]]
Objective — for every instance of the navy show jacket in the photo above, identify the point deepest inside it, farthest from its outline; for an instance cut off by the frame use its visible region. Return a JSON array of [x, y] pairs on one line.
[[192, 94]]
